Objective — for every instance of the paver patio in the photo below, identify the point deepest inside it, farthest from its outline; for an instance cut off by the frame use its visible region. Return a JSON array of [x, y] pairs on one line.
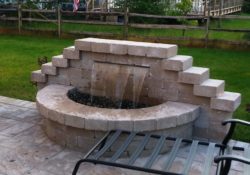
[[25, 149]]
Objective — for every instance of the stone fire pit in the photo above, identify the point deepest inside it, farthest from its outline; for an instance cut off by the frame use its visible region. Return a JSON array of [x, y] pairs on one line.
[[183, 100]]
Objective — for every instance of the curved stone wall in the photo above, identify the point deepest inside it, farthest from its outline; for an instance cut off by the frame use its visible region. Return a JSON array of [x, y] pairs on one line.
[[66, 120]]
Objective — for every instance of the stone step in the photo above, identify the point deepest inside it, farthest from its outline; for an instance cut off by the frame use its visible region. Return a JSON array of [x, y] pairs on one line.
[[38, 77], [178, 63], [71, 53], [209, 88], [228, 101], [132, 48], [48, 69], [59, 61], [194, 75]]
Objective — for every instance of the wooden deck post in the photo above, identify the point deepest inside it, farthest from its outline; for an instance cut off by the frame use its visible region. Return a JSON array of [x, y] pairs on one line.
[[19, 18], [207, 25], [59, 21], [220, 13], [205, 8], [126, 22]]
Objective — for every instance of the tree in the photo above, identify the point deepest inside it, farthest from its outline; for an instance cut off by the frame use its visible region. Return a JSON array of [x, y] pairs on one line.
[[246, 6], [184, 7], [142, 6]]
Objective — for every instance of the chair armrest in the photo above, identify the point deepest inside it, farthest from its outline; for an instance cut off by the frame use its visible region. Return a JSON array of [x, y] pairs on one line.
[[217, 159], [236, 121], [233, 123]]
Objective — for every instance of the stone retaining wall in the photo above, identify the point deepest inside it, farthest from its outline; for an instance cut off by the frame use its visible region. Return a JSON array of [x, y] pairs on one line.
[[169, 77]]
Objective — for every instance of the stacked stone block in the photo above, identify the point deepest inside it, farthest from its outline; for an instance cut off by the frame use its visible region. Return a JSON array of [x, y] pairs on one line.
[[170, 77]]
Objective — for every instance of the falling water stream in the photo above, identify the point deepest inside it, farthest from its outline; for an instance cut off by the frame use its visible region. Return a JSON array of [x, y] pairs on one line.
[[112, 81]]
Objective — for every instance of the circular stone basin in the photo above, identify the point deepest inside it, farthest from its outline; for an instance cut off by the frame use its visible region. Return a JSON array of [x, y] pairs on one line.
[[80, 126]]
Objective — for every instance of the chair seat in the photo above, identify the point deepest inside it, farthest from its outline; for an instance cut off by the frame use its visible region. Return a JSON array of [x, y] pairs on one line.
[[122, 149]]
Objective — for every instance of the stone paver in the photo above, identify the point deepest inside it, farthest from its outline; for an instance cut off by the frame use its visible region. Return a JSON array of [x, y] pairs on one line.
[[26, 150]]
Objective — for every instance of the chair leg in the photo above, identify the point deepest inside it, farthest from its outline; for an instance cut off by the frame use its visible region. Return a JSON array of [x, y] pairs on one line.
[[77, 166], [226, 167]]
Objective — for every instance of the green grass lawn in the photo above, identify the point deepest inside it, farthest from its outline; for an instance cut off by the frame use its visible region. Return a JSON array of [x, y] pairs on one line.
[[18, 55]]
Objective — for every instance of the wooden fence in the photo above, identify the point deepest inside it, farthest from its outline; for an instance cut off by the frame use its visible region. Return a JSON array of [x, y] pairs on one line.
[[58, 21]]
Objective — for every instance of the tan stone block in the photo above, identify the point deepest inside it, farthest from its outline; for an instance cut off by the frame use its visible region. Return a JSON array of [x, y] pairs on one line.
[[92, 124], [134, 60], [156, 93], [228, 101], [209, 88], [74, 121], [156, 71], [55, 132], [83, 44], [202, 101], [145, 125], [75, 63], [88, 134], [87, 61], [38, 76], [161, 50], [71, 141], [117, 59], [120, 124], [210, 120], [184, 118], [178, 63], [86, 74], [170, 76], [59, 61], [186, 95], [171, 91], [194, 75], [56, 116], [167, 122], [217, 116], [58, 80], [99, 56], [155, 83], [99, 46], [62, 77], [42, 110], [185, 90], [71, 53], [119, 48], [75, 76], [137, 48], [48, 69]]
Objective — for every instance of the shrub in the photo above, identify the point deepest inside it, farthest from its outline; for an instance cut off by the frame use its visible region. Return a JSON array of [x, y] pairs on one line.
[[142, 6], [184, 7]]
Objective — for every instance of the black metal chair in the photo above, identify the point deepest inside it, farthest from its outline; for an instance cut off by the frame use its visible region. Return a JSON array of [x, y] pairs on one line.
[[223, 160]]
